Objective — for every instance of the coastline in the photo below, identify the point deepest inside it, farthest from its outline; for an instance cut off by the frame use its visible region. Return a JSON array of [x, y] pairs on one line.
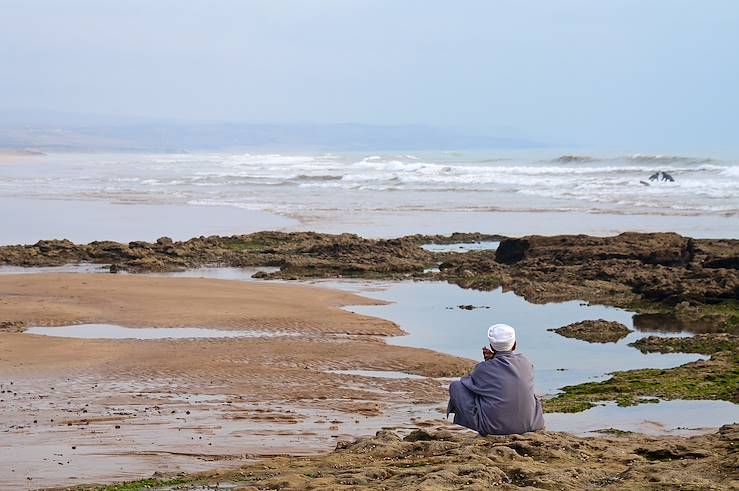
[[184, 405], [33, 219]]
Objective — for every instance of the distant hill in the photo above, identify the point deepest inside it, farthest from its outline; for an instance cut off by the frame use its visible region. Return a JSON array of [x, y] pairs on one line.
[[246, 137]]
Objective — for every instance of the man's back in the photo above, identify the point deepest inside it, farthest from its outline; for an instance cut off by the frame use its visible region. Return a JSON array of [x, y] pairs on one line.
[[504, 395]]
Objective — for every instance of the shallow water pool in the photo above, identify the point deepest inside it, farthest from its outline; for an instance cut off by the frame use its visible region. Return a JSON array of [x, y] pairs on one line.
[[112, 331], [429, 312], [665, 417], [378, 374], [462, 247]]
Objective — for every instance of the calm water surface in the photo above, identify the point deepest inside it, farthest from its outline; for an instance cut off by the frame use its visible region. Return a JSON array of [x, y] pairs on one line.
[[429, 312]]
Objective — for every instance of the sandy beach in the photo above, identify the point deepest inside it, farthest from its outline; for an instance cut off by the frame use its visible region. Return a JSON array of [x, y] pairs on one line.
[[134, 407], [285, 369], [251, 246]]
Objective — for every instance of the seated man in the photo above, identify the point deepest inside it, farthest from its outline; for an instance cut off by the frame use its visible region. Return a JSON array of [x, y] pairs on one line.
[[497, 398]]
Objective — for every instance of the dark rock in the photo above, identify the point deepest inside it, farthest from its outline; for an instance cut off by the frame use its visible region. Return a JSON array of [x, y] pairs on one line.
[[419, 436], [667, 249], [12, 326], [512, 251], [724, 262]]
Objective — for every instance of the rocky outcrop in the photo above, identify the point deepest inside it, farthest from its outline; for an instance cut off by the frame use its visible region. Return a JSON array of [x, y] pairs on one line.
[[455, 238], [667, 249], [594, 331], [661, 267], [665, 268], [445, 460], [12, 326], [298, 254], [730, 262], [706, 344]]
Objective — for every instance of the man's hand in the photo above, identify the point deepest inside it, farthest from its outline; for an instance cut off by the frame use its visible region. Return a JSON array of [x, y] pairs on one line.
[[487, 354]]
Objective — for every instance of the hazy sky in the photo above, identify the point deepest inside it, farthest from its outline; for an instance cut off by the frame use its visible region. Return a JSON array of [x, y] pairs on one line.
[[609, 72]]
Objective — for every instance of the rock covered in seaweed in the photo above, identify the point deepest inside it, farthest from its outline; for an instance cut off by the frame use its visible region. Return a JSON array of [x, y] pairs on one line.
[[594, 331], [706, 344]]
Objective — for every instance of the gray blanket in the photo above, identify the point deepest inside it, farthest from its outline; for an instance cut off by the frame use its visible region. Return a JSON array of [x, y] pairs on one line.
[[497, 398]]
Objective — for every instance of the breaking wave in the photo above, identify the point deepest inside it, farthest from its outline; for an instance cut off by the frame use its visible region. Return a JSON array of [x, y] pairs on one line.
[[288, 183]]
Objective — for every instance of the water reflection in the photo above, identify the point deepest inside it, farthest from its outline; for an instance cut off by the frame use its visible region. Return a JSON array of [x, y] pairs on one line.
[[421, 310], [462, 247], [670, 323], [667, 417]]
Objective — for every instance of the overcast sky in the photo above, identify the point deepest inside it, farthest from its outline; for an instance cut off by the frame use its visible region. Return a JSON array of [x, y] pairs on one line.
[[661, 74]]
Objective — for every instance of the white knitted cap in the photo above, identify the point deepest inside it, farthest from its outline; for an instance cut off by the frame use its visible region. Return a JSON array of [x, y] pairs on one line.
[[502, 337]]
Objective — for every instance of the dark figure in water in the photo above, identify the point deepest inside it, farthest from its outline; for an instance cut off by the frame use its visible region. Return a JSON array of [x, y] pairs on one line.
[[655, 176], [667, 177], [498, 398]]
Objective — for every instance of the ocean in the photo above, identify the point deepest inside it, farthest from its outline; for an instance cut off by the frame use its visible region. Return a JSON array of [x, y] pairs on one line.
[[392, 194]]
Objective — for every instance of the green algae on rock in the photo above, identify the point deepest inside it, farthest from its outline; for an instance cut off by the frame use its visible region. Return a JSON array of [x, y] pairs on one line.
[[706, 344], [594, 331], [713, 379]]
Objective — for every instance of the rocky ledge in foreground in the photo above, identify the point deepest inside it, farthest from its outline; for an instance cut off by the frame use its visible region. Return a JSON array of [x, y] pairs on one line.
[[594, 331], [442, 460]]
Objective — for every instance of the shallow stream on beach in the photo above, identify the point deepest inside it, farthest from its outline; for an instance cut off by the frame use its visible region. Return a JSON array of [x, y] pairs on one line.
[[429, 312]]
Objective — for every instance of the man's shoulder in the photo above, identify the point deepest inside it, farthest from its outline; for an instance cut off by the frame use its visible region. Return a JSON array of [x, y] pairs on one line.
[[521, 358]]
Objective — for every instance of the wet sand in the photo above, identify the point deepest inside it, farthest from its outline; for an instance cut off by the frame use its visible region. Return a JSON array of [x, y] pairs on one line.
[[27, 220], [139, 301], [91, 410]]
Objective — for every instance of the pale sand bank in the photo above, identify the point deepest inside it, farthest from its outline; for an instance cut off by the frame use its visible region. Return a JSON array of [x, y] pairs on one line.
[[77, 410], [144, 301]]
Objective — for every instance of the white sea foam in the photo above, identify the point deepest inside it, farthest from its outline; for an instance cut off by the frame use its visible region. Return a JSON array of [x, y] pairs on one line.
[[300, 183]]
